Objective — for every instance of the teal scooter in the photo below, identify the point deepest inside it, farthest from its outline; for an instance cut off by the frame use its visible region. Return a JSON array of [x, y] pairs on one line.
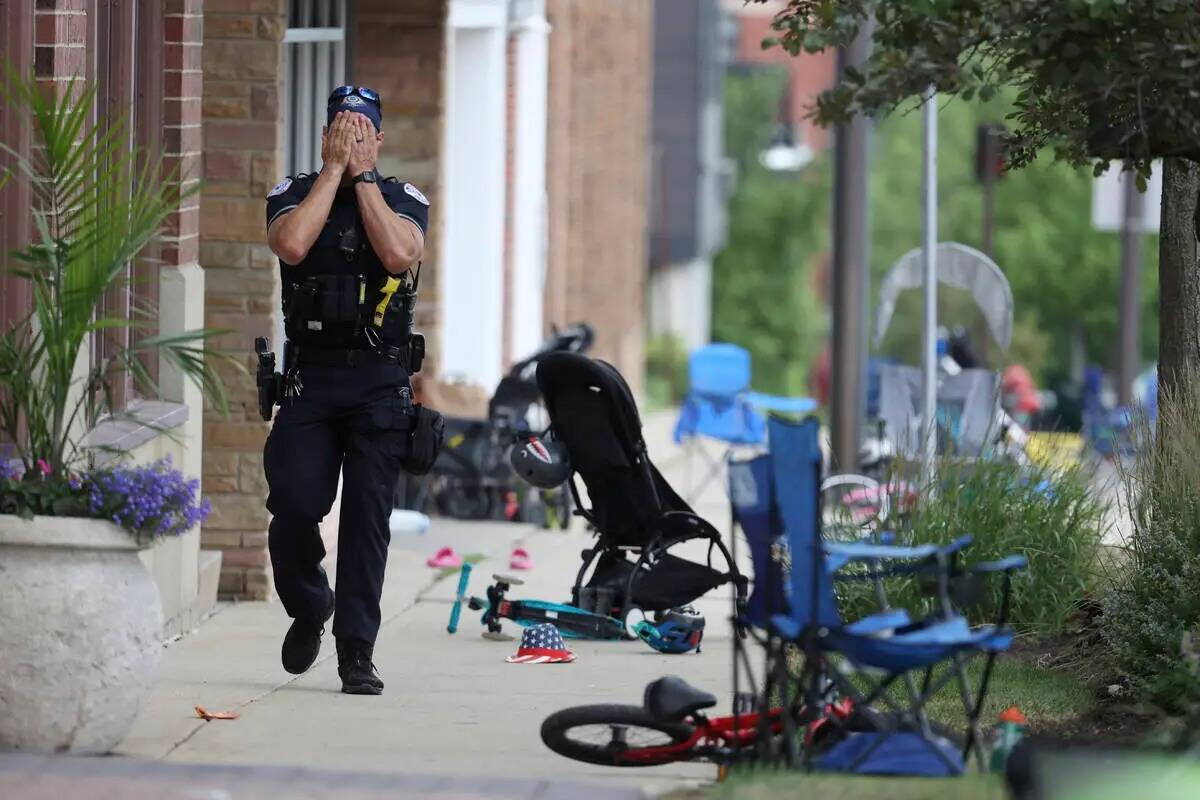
[[572, 622]]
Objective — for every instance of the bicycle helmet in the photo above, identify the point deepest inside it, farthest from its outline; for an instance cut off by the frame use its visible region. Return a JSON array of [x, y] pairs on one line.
[[677, 631], [542, 463]]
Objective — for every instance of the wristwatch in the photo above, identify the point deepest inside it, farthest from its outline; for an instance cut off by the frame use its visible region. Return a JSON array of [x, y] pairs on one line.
[[370, 176]]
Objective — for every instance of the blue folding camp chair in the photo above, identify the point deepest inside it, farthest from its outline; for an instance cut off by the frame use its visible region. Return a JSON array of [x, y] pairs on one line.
[[775, 499], [720, 405]]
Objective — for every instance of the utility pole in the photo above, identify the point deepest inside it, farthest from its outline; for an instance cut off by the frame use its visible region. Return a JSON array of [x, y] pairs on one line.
[[851, 254], [988, 169], [929, 271], [1130, 301]]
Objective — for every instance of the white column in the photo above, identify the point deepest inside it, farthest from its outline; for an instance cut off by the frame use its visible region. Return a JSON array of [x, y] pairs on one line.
[[472, 263], [529, 184]]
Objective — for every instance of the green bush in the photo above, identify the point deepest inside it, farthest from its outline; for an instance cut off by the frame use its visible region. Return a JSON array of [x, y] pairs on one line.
[[666, 370], [1052, 516], [1156, 596]]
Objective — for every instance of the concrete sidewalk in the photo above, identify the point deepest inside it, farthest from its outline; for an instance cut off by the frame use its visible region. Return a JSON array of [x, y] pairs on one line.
[[453, 708]]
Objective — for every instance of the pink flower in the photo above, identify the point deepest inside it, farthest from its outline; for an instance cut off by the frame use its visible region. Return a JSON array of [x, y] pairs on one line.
[[43, 466]]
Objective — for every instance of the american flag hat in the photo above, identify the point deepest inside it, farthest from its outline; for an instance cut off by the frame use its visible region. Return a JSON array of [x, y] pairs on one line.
[[542, 644]]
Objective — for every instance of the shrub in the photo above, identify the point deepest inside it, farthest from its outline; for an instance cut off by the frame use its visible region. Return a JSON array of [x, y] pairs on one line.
[[666, 370], [1156, 597], [1050, 515]]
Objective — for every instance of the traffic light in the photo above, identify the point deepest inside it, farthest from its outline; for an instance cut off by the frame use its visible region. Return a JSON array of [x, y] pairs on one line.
[[989, 152]]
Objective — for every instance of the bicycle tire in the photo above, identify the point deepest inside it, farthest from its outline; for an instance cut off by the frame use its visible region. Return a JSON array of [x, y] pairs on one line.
[[557, 727]]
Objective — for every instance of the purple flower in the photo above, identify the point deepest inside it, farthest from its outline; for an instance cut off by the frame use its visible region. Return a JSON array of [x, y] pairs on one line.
[[151, 500], [75, 482]]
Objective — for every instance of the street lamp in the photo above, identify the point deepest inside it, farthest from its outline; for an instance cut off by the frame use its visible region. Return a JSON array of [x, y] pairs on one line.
[[783, 155]]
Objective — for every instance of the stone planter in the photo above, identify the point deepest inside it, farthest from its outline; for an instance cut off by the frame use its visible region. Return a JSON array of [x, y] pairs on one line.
[[80, 627]]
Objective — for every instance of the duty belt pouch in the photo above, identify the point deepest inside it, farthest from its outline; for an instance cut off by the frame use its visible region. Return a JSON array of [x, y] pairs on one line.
[[339, 296], [398, 318], [428, 432]]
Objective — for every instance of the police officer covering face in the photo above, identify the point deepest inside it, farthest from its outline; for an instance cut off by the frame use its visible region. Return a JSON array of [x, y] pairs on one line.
[[348, 242]]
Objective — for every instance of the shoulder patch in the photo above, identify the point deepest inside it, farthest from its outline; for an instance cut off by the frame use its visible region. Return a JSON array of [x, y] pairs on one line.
[[415, 193], [280, 187]]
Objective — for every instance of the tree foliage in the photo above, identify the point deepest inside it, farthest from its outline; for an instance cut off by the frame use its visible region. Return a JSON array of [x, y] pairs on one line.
[[1096, 79], [1065, 275], [763, 293]]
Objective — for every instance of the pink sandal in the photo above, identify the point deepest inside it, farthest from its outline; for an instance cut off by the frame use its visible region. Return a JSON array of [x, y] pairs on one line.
[[520, 559], [445, 558]]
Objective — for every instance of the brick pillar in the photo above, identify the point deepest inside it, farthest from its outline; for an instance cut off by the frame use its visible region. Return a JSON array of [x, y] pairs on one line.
[[182, 34], [60, 42], [243, 65], [600, 72], [398, 50]]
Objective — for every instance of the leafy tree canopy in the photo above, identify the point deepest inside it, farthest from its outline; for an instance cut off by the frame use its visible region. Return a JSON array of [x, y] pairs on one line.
[[1096, 79]]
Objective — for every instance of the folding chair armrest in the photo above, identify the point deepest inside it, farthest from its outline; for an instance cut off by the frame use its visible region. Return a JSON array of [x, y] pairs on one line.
[[865, 550], [1006, 564]]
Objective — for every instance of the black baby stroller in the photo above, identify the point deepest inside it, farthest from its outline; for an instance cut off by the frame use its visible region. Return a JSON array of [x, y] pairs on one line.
[[638, 517], [471, 478]]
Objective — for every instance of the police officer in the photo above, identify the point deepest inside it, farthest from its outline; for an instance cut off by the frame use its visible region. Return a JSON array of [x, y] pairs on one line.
[[347, 242]]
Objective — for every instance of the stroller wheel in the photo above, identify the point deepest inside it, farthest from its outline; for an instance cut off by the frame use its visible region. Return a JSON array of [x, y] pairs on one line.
[[498, 637]]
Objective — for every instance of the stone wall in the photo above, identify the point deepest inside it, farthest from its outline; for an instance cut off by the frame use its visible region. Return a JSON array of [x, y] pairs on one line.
[[398, 51], [600, 72], [243, 63]]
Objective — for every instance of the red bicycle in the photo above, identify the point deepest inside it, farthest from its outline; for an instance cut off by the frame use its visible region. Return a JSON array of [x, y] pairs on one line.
[[669, 727]]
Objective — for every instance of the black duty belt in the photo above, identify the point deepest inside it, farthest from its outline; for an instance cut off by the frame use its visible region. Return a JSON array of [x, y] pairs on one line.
[[321, 357]]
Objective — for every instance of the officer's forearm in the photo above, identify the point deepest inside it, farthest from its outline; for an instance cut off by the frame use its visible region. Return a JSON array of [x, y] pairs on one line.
[[292, 235], [398, 243]]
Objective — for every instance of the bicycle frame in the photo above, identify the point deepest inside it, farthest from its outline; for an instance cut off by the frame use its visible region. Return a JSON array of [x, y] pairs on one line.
[[723, 739], [714, 739]]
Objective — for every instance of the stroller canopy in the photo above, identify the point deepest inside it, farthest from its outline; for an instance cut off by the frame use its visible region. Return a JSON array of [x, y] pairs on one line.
[[593, 413]]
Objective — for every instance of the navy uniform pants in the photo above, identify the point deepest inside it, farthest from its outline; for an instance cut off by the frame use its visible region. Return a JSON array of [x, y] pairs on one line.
[[348, 420]]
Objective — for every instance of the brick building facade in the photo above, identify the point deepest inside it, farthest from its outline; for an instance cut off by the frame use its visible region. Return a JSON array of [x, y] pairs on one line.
[[143, 57], [213, 89]]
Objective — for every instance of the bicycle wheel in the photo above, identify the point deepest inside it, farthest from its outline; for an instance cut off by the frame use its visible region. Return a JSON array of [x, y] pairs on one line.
[[613, 736], [852, 506]]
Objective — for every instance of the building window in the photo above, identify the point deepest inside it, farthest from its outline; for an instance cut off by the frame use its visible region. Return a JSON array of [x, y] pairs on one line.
[[128, 72], [315, 44], [16, 47]]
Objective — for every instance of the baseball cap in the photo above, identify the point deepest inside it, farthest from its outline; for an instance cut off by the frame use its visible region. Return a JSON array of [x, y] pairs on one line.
[[358, 99]]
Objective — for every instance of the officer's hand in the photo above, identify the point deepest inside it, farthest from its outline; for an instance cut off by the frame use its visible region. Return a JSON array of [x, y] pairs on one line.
[[335, 149], [364, 152]]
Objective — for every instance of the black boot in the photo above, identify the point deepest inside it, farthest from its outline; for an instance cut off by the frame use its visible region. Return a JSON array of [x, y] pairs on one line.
[[356, 670], [302, 643]]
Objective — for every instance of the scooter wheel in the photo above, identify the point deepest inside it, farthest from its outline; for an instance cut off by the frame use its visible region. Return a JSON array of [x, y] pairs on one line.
[[630, 618]]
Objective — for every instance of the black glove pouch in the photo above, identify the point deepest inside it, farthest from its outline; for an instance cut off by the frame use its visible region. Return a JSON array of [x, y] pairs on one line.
[[426, 437]]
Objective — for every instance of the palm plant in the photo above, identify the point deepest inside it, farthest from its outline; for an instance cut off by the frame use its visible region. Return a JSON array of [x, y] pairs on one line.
[[97, 204]]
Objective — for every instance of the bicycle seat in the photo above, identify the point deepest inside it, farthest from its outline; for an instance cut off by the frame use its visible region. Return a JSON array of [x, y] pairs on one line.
[[672, 698]]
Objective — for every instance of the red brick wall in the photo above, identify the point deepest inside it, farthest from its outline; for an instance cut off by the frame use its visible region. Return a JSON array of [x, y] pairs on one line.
[[243, 62], [60, 39], [598, 165], [182, 34]]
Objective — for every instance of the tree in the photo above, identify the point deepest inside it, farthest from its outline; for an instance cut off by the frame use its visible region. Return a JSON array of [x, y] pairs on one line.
[[1097, 80], [763, 297]]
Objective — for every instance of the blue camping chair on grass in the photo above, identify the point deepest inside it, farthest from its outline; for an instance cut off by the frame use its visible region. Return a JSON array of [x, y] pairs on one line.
[[720, 405], [776, 501]]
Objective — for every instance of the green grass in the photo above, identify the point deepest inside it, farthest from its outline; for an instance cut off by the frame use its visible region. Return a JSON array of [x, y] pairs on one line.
[[771, 784], [1046, 697]]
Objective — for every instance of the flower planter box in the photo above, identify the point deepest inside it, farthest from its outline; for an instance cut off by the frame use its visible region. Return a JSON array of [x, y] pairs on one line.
[[80, 624]]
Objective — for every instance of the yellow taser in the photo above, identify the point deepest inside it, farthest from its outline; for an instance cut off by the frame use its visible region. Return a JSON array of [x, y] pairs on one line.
[[390, 287]]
